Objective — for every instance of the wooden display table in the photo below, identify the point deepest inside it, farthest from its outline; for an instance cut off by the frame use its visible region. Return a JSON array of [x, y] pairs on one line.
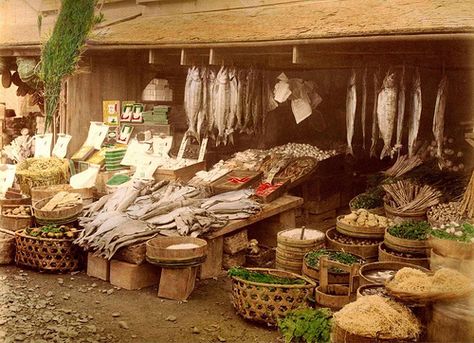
[[281, 209]]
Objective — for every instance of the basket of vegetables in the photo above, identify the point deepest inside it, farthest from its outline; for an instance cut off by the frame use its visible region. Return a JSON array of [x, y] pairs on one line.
[[453, 240], [16, 217], [265, 295], [335, 275], [362, 224], [410, 237], [365, 247], [444, 213], [370, 201], [389, 255], [48, 248], [62, 208]]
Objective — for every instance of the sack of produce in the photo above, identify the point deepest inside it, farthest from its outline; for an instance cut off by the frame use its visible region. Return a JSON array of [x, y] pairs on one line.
[[34, 172]]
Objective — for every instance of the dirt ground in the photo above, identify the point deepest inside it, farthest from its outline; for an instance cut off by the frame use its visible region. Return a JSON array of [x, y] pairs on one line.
[[39, 308]]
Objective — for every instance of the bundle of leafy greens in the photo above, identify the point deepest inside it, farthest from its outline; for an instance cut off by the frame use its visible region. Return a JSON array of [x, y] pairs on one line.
[[411, 230], [249, 275], [456, 232], [306, 325], [312, 258]]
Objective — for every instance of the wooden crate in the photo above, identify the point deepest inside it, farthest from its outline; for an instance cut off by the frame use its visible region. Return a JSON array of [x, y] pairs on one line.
[[322, 206], [183, 174], [134, 254], [236, 242], [98, 267], [177, 284], [224, 185], [132, 276], [14, 223]]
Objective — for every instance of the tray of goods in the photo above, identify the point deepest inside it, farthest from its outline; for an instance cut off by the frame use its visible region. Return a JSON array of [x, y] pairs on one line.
[[453, 240], [48, 248], [365, 247], [15, 217], [380, 272], [372, 289], [176, 251], [335, 275], [267, 192], [409, 237], [417, 287], [406, 200], [362, 224], [298, 169], [267, 295], [387, 254], [444, 213], [370, 201], [235, 180], [62, 208], [375, 318]]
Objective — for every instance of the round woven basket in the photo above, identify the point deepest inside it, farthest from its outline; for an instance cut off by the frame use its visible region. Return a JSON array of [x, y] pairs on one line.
[[386, 255], [450, 248], [62, 216], [376, 210], [401, 216], [42, 192], [359, 231], [369, 252], [45, 177], [406, 245], [265, 303], [386, 265], [52, 255]]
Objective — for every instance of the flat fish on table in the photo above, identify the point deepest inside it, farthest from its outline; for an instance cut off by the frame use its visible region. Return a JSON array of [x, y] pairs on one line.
[[228, 196], [438, 118], [386, 112], [415, 113], [375, 124], [351, 104], [401, 112]]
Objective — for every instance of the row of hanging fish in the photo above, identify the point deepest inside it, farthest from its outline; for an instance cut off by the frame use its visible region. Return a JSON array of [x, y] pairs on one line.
[[137, 212], [389, 107], [221, 104]]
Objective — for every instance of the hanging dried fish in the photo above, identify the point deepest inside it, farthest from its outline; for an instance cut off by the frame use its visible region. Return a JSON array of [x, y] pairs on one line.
[[401, 112], [351, 103], [364, 105], [415, 113], [386, 112], [438, 118], [375, 127]]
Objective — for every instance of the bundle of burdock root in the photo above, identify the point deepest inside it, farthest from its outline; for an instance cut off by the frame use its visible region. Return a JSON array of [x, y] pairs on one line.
[[467, 203]]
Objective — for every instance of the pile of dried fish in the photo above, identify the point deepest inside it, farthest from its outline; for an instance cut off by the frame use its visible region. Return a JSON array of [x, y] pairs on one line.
[[231, 100], [404, 195], [137, 212], [402, 165]]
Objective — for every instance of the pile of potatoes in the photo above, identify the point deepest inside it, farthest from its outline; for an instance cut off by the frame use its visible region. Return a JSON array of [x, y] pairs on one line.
[[20, 211], [364, 218]]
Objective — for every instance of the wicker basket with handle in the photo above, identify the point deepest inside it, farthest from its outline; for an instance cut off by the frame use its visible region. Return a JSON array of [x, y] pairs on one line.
[[47, 254], [265, 303]]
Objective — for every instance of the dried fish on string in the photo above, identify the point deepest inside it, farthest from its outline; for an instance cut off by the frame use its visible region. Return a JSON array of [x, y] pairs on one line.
[[351, 103], [415, 113], [364, 105], [438, 118], [404, 195], [375, 127], [401, 112], [386, 112], [193, 100]]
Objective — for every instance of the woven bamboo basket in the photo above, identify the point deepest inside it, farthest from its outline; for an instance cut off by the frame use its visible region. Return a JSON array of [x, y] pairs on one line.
[[446, 321], [7, 248], [339, 335], [52, 255], [380, 266], [401, 216], [369, 252], [450, 248], [341, 277], [359, 231], [15, 223], [62, 216], [385, 254], [406, 245], [265, 303], [42, 192], [44, 177], [461, 265]]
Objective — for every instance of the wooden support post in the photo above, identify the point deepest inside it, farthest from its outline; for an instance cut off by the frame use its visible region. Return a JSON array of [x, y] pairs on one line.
[[177, 283], [212, 267]]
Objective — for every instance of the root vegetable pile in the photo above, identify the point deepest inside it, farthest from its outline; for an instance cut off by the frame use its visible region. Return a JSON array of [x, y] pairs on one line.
[[404, 195], [364, 218], [445, 213]]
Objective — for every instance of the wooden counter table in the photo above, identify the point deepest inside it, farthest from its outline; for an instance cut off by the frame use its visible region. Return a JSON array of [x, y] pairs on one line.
[[281, 209]]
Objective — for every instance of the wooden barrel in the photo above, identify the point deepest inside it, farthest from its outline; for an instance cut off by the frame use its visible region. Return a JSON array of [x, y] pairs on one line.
[[464, 266], [451, 322], [370, 252], [406, 245], [158, 252], [291, 249], [385, 254], [359, 231], [401, 216], [41, 192], [335, 298], [367, 268], [450, 248]]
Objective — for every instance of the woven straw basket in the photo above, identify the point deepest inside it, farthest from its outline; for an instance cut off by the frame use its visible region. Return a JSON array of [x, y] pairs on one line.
[[46, 177], [339, 335], [265, 303], [52, 255]]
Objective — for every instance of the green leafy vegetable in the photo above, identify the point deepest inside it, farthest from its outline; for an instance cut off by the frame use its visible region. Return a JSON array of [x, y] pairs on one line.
[[307, 325], [367, 200], [249, 275], [411, 230], [312, 258], [456, 232]]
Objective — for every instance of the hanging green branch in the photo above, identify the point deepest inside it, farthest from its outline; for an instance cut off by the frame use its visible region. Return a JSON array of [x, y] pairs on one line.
[[61, 53]]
